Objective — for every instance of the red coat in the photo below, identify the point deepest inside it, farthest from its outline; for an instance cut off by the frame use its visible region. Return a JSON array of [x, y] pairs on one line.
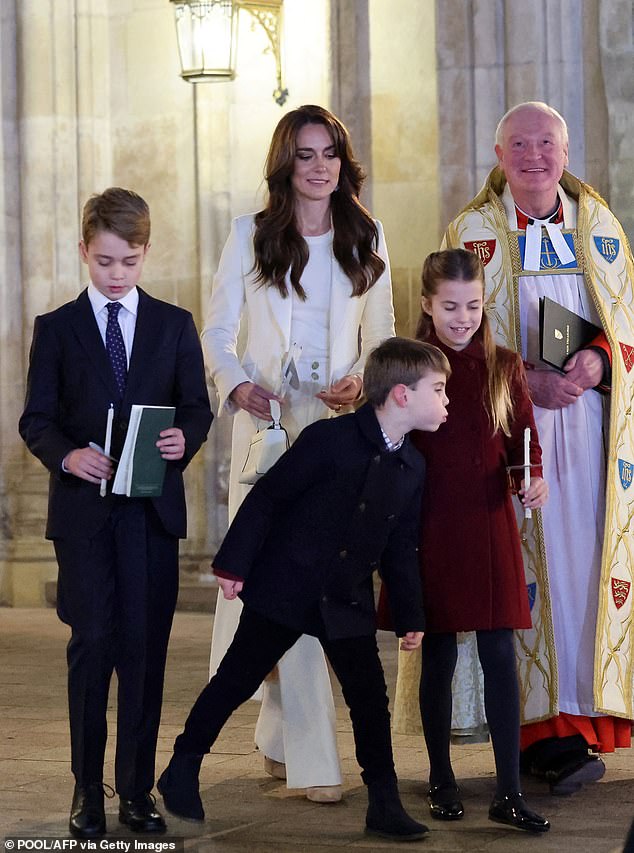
[[471, 561]]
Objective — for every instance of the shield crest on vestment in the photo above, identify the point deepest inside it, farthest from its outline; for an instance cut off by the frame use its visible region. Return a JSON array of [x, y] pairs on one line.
[[626, 471], [620, 591], [484, 249], [608, 247]]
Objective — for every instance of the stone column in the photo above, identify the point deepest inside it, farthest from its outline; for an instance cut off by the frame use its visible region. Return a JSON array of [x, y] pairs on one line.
[[11, 353], [617, 64], [405, 143], [213, 209], [350, 94], [46, 184]]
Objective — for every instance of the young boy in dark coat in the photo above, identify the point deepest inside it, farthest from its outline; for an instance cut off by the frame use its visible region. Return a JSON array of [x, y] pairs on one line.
[[112, 347], [301, 552]]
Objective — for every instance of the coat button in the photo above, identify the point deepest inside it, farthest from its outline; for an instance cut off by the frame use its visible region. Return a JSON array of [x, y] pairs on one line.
[[315, 365], [343, 554], [362, 506], [377, 458], [314, 376], [324, 599]]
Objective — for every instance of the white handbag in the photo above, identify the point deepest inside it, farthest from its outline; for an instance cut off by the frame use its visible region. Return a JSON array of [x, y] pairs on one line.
[[265, 448]]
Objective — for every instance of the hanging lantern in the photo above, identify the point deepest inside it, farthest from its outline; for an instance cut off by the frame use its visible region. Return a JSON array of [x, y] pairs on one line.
[[207, 33]]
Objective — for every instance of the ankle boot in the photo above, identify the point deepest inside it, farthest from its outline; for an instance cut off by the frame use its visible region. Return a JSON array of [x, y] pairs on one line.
[[386, 816], [179, 788]]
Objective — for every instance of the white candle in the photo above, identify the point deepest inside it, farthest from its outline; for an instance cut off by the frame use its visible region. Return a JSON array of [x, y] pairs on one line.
[[527, 465], [106, 445]]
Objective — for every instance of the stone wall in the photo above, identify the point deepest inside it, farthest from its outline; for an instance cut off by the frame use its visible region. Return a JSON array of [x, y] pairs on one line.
[[405, 143]]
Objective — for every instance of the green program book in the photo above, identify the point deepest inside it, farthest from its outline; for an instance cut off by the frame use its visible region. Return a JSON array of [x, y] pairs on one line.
[[141, 469]]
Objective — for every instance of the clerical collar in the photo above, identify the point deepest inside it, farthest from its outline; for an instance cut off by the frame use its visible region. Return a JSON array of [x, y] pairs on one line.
[[533, 243], [523, 219]]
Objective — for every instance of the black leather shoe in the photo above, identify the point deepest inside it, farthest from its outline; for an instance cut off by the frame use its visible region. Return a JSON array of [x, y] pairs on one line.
[[141, 814], [444, 802], [572, 775], [87, 815], [512, 811]]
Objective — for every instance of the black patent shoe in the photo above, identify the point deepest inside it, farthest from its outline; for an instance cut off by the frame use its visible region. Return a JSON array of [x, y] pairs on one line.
[[141, 814], [512, 811], [444, 802], [87, 815]]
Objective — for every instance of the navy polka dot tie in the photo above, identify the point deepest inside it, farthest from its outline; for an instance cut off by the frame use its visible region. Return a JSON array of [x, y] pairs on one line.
[[115, 346]]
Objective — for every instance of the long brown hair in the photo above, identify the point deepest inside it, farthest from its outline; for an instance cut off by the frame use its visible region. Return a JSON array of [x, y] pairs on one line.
[[460, 265], [278, 244]]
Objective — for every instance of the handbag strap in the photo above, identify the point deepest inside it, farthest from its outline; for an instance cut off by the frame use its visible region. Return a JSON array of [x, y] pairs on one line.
[[276, 414]]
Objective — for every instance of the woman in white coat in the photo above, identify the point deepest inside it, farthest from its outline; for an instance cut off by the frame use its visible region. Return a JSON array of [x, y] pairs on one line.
[[309, 275]]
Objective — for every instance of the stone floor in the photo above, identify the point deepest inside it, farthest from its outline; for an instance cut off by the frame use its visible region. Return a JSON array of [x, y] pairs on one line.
[[246, 810]]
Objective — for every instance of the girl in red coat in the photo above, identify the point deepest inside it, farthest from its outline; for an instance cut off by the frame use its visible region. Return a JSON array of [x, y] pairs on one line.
[[471, 562]]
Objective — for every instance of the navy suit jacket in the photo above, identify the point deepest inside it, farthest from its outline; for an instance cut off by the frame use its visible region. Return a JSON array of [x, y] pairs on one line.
[[310, 534], [71, 385]]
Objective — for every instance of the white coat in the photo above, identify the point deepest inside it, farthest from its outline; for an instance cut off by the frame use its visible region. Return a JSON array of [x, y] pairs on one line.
[[297, 722]]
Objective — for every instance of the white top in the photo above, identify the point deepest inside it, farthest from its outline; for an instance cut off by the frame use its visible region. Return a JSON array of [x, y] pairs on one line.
[[309, 317]]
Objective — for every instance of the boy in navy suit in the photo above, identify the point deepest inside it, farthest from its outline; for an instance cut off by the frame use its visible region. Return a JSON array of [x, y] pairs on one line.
[[117, 557], [301, 552]]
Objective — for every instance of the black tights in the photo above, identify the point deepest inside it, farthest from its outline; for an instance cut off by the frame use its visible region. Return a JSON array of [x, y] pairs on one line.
[[501, 701]]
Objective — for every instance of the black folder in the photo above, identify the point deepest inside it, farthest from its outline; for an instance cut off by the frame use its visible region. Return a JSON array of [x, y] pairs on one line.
[[562, 332]]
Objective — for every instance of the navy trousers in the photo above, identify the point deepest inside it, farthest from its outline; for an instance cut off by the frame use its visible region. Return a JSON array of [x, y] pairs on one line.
[[117, 592], [257, 646]]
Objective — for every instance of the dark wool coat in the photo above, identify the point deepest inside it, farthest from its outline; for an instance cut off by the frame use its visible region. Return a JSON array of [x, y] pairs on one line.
[[310, 534], [470, 555]]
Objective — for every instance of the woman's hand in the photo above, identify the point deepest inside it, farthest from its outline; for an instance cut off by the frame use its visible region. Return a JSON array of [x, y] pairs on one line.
[[342, 393], [253, 399]]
